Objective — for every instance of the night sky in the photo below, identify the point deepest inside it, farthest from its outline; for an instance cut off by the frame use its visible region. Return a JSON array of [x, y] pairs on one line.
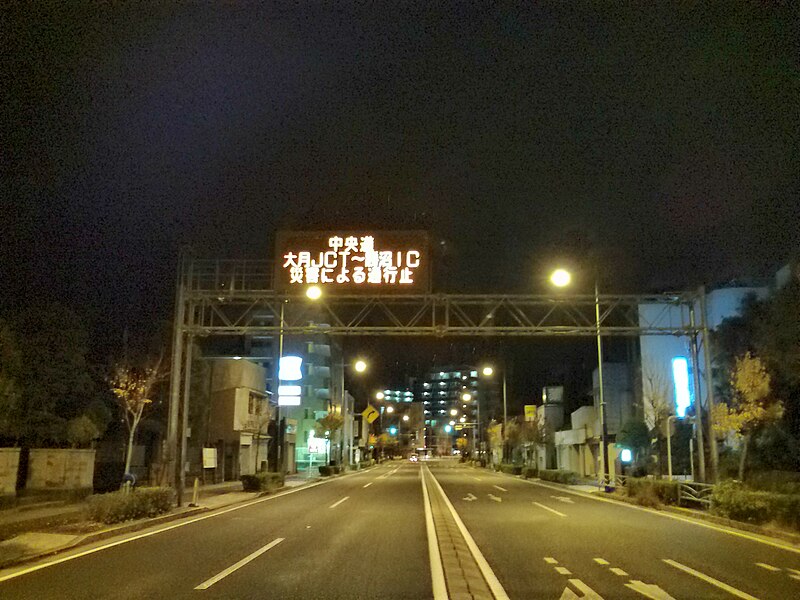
[[661, 139]]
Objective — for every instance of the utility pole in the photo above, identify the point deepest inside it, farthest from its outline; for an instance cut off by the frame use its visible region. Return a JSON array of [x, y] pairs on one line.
[[171, 447], [603, 425], [698, 406], [712, 438]]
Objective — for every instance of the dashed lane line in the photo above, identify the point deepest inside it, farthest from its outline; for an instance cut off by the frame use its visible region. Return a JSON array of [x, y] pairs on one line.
[[502, 489], [368, 484], [223, 574], [335, 504], [767, 567], [708, 579], [618, 571], [601, 561], [563, 571], [552, 510], [550, 560]]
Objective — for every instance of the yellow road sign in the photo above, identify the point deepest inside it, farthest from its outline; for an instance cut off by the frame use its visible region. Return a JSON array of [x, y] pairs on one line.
[[530, 412], [370, 413]]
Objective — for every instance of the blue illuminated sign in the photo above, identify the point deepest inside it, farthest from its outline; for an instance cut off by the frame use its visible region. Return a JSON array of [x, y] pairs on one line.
[[680, 380]]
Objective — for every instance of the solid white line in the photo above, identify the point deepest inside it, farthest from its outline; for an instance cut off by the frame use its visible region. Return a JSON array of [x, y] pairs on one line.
[[210, 515], [486, 570], [437, 571], [560, 514], [335, 504], [209, 582], [768, 542], [502, 489], [550, 560], [601, 561], [709, 579], [767, 567], [367, 485], [618, 571], [563, 571]]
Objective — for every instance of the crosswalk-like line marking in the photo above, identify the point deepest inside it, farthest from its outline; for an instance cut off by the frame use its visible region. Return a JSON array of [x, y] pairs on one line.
[[601, 561], [550, 560], [618, 571], [563, 571]]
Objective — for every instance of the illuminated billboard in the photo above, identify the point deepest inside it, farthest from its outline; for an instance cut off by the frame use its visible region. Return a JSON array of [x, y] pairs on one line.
[[351, 262]]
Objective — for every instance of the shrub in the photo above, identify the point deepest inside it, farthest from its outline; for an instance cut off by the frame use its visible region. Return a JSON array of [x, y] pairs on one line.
[[116, 507], [731, 499], [365, 463], [262, 482], [559, 476], [781, 482], [325, 470], [511, 469], [530, 472], [650, 490]]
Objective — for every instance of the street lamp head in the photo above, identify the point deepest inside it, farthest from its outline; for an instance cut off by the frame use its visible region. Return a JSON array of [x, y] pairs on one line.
[[560, 278], [453, 412], [466, 397], [360, 366], [390, 409], [463, 419], [314, 292], [379, 396], [488, 371], [405, 417]]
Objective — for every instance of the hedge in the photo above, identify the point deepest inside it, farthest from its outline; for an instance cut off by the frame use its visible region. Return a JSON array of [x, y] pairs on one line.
[[262, 482], [731, 499], [326, 470], [116, 507], [511, 469], [664, 492], [530, 472], [559, 476]]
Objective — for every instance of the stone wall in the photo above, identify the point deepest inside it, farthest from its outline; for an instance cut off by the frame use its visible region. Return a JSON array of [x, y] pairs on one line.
[[9, 465], [59, 469]]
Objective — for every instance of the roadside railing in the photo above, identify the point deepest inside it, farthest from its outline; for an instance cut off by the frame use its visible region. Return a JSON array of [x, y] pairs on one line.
[[695, 492]]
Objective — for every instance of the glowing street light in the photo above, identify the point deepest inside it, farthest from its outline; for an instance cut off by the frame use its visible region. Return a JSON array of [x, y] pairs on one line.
[[560, 278], [487, 371], [453, 412], [314, 292], [390, 409], [466, 397], [463, 419], [379, 396], [405, 417], [360, 366]]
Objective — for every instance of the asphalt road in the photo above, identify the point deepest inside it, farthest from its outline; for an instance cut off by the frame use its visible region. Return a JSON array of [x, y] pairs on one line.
[[368, 535]]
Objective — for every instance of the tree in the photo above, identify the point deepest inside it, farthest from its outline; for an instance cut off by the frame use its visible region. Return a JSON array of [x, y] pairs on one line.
[[328, 425], [82, 431], [656, 404], [533, 433], [132, 387], [495, 436], [751, 406]]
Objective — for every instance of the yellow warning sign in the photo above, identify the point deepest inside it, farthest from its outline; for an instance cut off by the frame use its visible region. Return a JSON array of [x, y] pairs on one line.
[[370, 413]]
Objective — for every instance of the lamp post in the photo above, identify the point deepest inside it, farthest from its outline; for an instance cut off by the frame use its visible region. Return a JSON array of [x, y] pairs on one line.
[[488, 371], [562, 278]]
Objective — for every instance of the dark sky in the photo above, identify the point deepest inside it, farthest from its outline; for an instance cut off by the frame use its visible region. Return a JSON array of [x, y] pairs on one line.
[[665, 135]]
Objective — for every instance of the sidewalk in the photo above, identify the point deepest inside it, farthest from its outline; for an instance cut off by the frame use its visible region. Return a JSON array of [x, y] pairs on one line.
[[34, 531]]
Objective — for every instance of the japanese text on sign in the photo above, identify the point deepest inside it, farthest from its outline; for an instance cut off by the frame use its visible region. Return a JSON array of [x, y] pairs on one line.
[[353, 261]]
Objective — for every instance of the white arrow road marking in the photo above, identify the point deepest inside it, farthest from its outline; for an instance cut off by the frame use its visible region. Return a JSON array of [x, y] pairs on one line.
[[335, 504], [588, 593], [563, 499], [709, 579], [767, 567], [502, 489], [495, 498], [648, 590], [209, 582], [560, 514], [470, 497]]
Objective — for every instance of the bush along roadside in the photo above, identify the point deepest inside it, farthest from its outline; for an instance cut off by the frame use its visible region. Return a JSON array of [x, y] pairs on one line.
[[734, 501], [262, 482], [116, 507], [652, 492], [559, 476]]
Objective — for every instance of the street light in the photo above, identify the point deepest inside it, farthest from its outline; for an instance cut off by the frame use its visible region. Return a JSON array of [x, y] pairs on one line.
[[405, 417], [360, 366], [379, 396], [314, 292], [453, 412], [562, 278]]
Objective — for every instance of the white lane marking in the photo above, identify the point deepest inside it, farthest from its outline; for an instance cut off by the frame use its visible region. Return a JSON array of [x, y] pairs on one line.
[[209, 582], [470, 497], [649, 590], [335, 504], [618, 571], [210, 515], [709, 579], [550, 560], [502, 489], [369, 484], [667, 515], [437, 571], [560, 514], [477, 479], [588, 593], [795, 577], [568, 594], [563, 499], [491, 579], [563, 571], [795, 571], [601, 561], [495, 498], [767, 567]]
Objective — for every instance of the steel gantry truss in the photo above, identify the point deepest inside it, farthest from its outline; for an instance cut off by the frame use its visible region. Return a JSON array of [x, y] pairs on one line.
[[236, 297]]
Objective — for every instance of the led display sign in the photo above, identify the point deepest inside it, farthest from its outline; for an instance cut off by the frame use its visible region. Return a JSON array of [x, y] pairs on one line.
[[680, 380], [352, 262], [289, 369]]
